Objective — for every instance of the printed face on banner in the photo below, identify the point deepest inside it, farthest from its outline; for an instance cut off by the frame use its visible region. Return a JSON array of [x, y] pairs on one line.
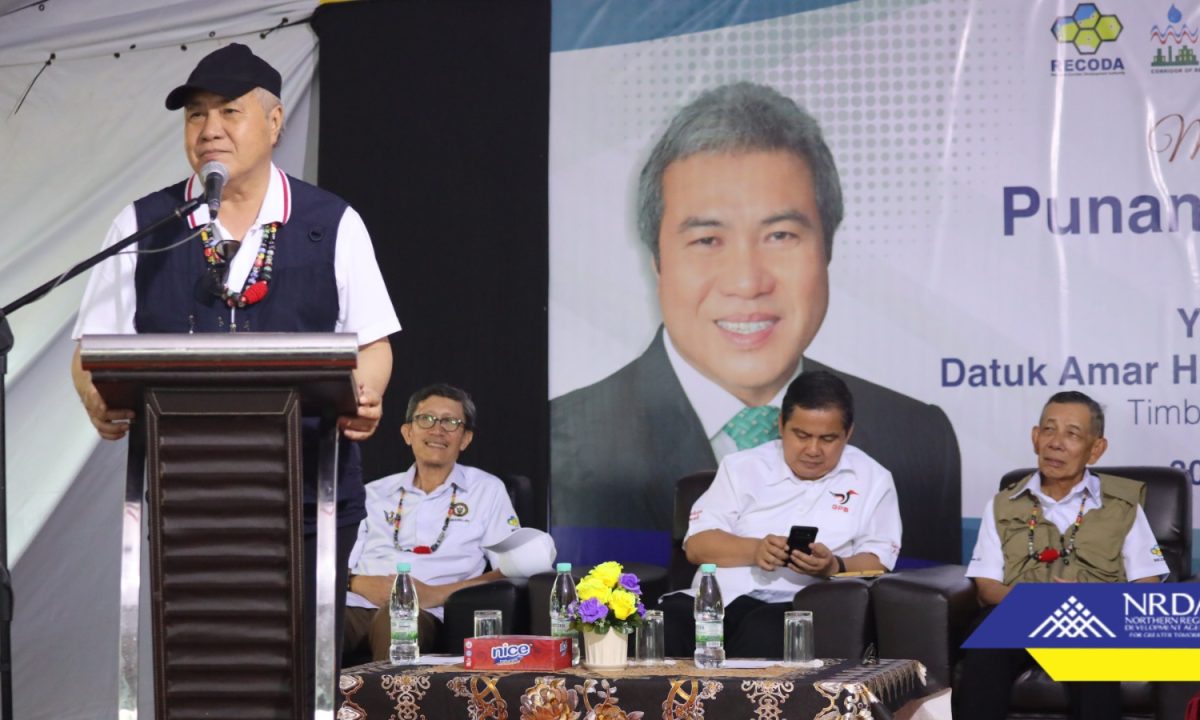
[[813, 441], [1065, 442], [240, 133], [742, 277]]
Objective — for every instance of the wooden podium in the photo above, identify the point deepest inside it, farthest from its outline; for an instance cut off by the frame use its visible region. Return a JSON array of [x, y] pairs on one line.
[[216, 450]]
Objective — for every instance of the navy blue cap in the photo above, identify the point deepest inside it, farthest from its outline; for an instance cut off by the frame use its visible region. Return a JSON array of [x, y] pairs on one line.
[[231, 72]]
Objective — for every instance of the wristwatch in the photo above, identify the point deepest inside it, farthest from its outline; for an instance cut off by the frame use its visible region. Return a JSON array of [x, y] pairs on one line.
[[350, 581], [841, 564]]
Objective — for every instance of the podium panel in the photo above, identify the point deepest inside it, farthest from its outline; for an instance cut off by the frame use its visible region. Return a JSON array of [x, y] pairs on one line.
[[218, 433], [224, 480]]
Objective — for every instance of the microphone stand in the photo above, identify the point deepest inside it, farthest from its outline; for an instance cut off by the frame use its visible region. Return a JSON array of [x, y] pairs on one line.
[[6, 344]]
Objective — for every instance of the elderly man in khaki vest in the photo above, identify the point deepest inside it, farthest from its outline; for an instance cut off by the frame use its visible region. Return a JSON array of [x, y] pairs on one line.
[[1063, 523]]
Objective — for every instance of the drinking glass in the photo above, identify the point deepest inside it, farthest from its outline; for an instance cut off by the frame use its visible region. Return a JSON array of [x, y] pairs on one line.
[[487, 623], [649, 643], [798, 637]]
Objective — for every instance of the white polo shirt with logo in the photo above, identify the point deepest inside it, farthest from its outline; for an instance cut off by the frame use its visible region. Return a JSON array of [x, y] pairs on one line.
[[482, 515], [755, 494]]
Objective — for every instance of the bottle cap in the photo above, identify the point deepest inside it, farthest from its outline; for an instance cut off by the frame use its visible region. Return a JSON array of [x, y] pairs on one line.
[[403, 567], [708, 568], [563, 567]]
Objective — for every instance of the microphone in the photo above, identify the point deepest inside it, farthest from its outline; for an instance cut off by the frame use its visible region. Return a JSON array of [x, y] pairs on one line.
[[215, 176]]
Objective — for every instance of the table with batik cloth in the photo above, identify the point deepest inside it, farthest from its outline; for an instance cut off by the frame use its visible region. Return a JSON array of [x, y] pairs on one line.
[[839, 689]]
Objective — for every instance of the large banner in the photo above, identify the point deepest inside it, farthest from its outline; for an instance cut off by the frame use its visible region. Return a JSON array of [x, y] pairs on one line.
[[1020, 218]]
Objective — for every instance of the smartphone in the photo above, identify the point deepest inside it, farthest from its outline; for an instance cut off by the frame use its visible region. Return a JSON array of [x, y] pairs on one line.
[[801, 538]]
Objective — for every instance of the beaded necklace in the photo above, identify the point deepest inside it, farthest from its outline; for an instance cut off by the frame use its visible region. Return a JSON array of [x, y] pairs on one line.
[[1049, 554], [422, 549], [259, 279]]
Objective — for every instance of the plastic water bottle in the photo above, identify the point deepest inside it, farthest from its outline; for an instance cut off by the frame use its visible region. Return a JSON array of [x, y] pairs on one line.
[[710, 620], [404, 609], [561, 597]]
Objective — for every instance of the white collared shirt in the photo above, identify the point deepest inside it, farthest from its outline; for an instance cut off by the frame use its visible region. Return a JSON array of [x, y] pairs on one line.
[[714, 405], [484, 517], [364, 307], [755, 494], [1139, 553]]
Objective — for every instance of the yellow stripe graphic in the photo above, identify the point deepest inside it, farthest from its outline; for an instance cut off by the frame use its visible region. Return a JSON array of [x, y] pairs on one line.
[[1129, 664]]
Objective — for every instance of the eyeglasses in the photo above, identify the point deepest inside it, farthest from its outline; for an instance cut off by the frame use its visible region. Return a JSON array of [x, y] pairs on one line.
[[426, 421]]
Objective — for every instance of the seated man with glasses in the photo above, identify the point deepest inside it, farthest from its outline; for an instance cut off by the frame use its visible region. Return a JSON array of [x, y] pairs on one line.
[[437, 515]]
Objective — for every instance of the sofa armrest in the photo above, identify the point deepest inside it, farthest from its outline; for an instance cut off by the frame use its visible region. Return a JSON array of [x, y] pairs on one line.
[[654, 579], [843, 624], [924, 615], [540, 586], [508, 595]]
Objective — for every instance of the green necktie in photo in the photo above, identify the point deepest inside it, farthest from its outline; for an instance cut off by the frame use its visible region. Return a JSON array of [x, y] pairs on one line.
[[753, 426]]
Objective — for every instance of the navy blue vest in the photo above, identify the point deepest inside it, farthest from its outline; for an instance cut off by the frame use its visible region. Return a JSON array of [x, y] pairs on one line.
[[172, 298]]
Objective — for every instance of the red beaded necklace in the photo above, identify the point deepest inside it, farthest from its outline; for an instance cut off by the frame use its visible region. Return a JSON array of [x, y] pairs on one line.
[[1049, 554], [259, 279], [421, 549]]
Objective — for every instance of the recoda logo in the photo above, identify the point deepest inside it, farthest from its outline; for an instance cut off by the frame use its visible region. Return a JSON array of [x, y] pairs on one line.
[[1087, 30]]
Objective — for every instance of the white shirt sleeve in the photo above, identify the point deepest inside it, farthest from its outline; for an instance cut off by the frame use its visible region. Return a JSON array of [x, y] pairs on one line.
[[987, 560], [109, 301], [359, 545], [500, 513], [1143, 558], [717, 508], [364, 306], [497, 525], [881, 530], [354, 599]]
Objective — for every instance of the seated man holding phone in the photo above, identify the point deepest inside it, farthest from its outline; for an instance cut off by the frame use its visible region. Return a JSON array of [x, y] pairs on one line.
[[760, 520]]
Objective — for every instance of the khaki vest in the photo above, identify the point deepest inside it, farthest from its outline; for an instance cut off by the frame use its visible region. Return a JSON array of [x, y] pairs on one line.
[[1097, 556]]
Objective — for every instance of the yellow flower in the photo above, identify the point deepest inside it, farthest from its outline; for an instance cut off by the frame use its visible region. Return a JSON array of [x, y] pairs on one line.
[[590, 587], [623, 603], [608, 573]]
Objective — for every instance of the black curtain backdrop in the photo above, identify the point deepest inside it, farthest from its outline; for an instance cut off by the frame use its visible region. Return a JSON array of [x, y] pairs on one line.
[[434, 125]]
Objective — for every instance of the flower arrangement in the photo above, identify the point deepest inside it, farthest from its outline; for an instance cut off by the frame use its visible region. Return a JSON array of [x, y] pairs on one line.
[[608, 600]]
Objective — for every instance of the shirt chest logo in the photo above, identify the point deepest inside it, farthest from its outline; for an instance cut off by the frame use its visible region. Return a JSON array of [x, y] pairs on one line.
[[842, 500]]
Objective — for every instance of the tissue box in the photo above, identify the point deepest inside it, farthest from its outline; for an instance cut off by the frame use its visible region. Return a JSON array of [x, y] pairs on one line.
[[517, 652]]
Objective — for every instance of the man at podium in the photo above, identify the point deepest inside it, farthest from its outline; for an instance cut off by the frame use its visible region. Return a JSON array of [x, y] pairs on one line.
[[283, 256]]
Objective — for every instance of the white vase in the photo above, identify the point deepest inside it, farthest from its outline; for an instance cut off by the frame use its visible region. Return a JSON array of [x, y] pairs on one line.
[[606, 651]]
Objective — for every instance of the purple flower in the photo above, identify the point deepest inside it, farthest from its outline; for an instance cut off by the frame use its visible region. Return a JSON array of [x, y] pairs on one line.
[[641, 609], [591, 610], [629, 581]]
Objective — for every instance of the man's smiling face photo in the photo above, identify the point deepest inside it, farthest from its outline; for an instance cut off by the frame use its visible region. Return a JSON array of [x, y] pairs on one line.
[[742, 279]]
